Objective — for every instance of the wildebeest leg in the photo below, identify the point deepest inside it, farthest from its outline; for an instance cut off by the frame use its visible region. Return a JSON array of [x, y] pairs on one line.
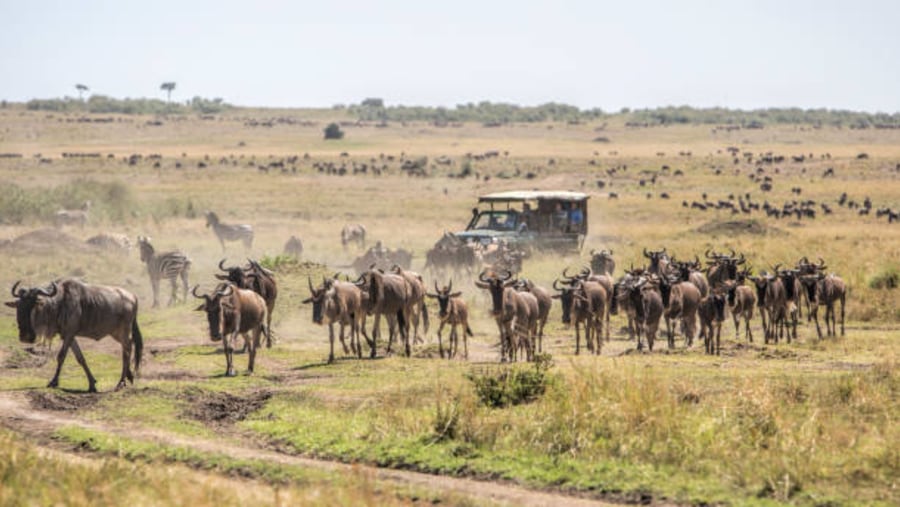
[[252, 350], [343, 343], [843, 300], [60, 358], [670, 333], [651, 337], [440, 344], [354, 335], [92, 382], [331, 342], [126, 364], [577, 339], [747, 327], [229, 355], [813, 313]]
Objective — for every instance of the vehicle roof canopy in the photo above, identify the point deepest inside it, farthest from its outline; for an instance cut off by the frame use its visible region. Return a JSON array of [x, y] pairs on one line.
[[531, 195]]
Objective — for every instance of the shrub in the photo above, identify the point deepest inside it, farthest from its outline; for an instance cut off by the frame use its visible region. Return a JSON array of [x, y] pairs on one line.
[[888, 278], [333, 131], [513, 385]]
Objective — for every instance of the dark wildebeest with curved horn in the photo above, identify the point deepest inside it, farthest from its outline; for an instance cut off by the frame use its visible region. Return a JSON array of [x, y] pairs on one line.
[[545, 302], [659, 261], [231, 311], [338, 302], [583, 303], [258, 279], [228, 232], [509, 310], [73, 308]]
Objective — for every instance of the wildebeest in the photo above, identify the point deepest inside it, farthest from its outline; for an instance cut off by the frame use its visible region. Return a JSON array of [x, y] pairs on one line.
[[545, 302], [258, 279], [771, 301], [168, 265], [77, 217], [822, 289], [509, 311], [659, 261], [231, 311], [741, 300], [353, 233], [680, 300], [643, 303], [388, 295], [228, 232], [338, 302], [418, 310], [452, 310], [73, 308], [603, 262], [722, 268], [584, 304], [712, 313], [293, 247]]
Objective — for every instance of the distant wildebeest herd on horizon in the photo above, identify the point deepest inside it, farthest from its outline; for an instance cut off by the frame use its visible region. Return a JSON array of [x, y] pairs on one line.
[[666, 289]]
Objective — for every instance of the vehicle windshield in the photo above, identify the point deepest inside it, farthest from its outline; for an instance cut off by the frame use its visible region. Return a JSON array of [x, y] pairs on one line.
[[496, 220]]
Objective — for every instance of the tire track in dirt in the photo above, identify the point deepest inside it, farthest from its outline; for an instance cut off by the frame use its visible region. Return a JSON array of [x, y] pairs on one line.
[[17, 414]]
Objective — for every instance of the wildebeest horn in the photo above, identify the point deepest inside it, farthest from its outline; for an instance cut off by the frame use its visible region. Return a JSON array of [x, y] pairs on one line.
[[309, 281], [663, 250], [21, 292], [555, 283], [742, 259], [229, 288], [198, 296], [821, 263], [610, 252], [481, 277], [645, 253], [565, 274], [593, 251], [48, 294], [732, 253], [803, 260], [223, 268], [395, 268], [508, 275], [450, 286], [775, 268]]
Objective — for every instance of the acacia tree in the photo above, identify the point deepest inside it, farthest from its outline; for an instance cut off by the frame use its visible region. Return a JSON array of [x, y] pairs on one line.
[[81, 89], [168, 87]]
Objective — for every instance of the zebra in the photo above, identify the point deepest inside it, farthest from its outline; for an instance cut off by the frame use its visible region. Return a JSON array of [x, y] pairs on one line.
[[227, 232], [170, 265]]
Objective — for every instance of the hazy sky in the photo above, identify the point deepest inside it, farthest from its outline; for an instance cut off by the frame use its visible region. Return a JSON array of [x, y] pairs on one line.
[[740, 54]]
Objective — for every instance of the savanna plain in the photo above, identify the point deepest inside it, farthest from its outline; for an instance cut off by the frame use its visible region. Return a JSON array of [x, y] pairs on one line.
[[813, 422]]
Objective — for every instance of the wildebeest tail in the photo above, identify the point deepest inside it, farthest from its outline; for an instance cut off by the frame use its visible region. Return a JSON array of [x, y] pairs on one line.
[[469, 331], [424, 317], [401, 320], [138, 342]]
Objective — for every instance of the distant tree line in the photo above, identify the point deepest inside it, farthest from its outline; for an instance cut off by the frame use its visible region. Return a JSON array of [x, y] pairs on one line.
[[492, 114], [105, 104]]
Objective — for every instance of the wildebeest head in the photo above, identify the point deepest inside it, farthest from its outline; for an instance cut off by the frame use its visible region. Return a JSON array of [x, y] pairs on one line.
[[443, 296], [215, 305], [26, 303], [602, 262], [317, 298], [761, 283], [658, 259], [235, 274], [565, 295], [495, 285]]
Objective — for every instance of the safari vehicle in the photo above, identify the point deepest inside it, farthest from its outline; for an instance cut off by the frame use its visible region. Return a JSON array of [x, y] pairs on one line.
[[547, 220]]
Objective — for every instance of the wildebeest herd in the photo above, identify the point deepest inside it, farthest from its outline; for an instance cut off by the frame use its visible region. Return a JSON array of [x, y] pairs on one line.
[[679, 293]]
